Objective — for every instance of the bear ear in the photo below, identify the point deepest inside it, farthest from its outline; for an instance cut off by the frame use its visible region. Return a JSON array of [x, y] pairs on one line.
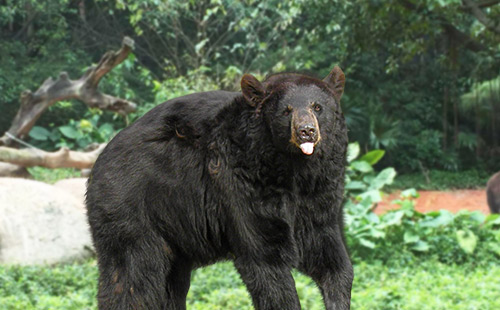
[[252, 89], [336, 80]]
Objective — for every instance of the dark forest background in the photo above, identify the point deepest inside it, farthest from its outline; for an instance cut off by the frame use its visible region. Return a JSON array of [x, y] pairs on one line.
[[423, 77]]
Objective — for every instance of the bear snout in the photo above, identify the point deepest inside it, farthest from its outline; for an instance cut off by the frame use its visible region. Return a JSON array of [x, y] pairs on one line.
[[307, 133]]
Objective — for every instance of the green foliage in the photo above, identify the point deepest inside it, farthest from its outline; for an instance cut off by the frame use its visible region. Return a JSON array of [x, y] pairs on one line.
[[405, 234], [396, 79], [442, 180], [61, 287], [362, 183], [426, 285], [485, 96], [75, 134], [32, 52], [51, 176]]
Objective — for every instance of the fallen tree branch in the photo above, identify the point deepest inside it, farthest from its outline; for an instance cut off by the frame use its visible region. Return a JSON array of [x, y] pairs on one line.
[[84, 89], [63, 158], [10, 170]]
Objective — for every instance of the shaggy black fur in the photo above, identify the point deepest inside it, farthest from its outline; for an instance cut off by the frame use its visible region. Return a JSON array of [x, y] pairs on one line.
[[221, 175], [493, 193]]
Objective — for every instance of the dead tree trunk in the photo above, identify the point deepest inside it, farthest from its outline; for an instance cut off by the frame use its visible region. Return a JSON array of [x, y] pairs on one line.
[[64, 158], [84, 89]]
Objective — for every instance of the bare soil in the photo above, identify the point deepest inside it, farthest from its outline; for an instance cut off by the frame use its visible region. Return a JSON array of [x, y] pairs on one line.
[[454, 201]]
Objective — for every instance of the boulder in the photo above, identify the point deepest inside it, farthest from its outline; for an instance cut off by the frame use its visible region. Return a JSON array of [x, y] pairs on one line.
[[76, 187], [41, 224]]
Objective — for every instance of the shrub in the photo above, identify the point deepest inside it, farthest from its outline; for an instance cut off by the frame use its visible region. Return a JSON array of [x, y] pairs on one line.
[[405, 234]]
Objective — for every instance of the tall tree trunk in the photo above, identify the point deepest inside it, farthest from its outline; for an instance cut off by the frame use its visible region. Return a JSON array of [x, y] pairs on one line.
[[81, 10], [477, 121], [446, 98], [30, 30], [455, 120], [454, 91], [493, 116]]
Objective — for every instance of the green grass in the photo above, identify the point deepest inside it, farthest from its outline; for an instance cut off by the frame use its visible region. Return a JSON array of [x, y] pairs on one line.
[[441, 180], [51, 176], [426, 285], [40, 288]]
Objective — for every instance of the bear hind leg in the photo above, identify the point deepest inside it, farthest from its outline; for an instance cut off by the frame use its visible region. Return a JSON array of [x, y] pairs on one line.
[[135, 276]]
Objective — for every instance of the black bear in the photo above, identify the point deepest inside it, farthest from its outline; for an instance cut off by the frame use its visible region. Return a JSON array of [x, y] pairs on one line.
[[255, 177], [493, 193]]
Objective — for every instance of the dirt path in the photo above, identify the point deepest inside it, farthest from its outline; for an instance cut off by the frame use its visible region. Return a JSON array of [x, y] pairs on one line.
[[454, 201]]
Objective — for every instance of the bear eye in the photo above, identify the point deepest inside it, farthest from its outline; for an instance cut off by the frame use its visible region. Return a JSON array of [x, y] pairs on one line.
[[287, 110], [317, 107]]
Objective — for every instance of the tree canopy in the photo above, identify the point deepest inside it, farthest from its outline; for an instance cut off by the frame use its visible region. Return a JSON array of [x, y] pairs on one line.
[[422, 76]]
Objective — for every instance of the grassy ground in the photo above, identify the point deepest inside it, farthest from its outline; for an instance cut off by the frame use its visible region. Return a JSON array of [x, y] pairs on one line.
[[420, 286], [442, 180], [51, 176]]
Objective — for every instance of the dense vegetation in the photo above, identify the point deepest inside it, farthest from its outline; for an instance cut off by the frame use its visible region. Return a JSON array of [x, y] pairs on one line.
[[423, 76]]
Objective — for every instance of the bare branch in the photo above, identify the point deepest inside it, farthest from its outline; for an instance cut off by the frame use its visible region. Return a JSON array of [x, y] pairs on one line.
[[84, 89], [486, 3], [450, 29], [481, 16], [64, 158], [109, 61]]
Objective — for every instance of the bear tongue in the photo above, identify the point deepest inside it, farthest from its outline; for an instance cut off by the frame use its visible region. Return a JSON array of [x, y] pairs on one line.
[[307, 148]]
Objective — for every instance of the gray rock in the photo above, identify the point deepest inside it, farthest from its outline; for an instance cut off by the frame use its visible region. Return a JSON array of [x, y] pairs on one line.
[[41, 224], [75, 187]]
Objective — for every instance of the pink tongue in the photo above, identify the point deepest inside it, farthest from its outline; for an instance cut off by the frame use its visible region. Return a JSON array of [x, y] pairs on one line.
[[307, 148]]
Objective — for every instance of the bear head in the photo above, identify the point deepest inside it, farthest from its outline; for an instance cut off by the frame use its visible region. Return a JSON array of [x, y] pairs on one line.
[[300, 111]]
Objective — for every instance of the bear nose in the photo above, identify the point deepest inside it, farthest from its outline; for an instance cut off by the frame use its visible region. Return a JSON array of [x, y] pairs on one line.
[[307, 132]]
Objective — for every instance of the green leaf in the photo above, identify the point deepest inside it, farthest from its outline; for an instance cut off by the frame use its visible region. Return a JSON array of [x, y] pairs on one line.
[[373, 195], [373, 157], [367, 243], [200, 45], [421, 246], [478, 217], [39, 133], [69, 132], [410, 237], [106, 130], [352, 151], [467, 240], [393, 218], [385, 177], [361, 166], [492, 220], [55, 135], [409, 193], [494, 247], [355, 185], [444, 218], [377, 233], [372, 217]]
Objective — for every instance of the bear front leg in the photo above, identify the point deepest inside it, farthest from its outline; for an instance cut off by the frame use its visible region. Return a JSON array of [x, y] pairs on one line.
[[271, 286], [327, 262]]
